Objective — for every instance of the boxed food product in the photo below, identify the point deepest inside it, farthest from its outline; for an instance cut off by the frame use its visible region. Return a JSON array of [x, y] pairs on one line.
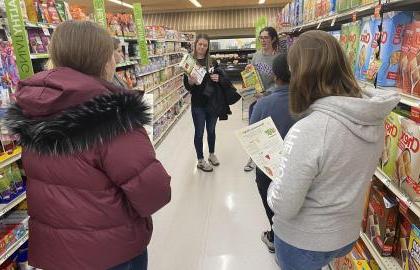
[[393, 27], [343, 5], [331, 7], [345, 28], [353, 43], [408, 159], [389, 154], [409, 75], [413, 260], [6, 191], [355, 3], [365, 47], [382, 220], [358, 259], [406, 220]]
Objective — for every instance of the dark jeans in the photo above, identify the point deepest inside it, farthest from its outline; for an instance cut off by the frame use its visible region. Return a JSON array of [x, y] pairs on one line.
[[137, 263], [202, 118], [293, 258], [263, 183]]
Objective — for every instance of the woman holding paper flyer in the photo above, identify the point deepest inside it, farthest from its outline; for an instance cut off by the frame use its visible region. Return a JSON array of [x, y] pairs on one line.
[[263, 62], [328, 156], [202, 118]]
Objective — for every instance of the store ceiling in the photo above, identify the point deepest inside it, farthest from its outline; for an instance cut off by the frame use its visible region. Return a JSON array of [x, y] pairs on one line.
[[152, 6]]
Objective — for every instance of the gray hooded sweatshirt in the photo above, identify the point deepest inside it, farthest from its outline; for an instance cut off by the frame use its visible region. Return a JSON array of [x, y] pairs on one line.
[[327, 161]]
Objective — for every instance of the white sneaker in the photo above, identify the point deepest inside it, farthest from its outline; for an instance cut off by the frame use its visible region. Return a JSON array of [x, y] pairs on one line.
[[213, 160], [249, 166], [204, 166]]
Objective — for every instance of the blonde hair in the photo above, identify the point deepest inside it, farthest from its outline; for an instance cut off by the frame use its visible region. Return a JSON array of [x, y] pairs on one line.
[[319, 68], [83, 46]]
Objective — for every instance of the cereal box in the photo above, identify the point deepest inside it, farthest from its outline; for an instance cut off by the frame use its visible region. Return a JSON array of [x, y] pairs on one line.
[[353, 42], [408, 159], [365, 47], [389, 154], [413, 261], [408, 77], [394, 24], [382, 220]]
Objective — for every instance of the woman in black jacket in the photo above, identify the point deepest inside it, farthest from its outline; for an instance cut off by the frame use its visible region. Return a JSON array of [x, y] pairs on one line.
[[202, 117]]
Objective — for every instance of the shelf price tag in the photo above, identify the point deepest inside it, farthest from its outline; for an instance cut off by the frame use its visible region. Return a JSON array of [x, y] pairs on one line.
[[19, 38], [141, 36], [99, 9]]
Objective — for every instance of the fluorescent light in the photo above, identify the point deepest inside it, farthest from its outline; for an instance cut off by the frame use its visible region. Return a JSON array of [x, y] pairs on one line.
[[121, 3], [261, 2], [196, 3]]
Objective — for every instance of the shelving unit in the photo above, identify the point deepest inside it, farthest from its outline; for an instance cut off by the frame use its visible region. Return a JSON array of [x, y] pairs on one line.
[[165, 54], [167, 95], [385, 263], [166, 110], [160, 85], [40, 56], [4, 208], [7, 159], [13, 248], [126, 64]]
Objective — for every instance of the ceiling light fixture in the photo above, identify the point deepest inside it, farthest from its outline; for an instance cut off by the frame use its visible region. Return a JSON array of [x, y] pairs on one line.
[[261, 2], [121, 3], [196, 3]]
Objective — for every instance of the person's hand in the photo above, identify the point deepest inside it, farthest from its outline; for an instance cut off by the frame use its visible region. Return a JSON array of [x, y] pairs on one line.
[[192, 80], [214, 77]]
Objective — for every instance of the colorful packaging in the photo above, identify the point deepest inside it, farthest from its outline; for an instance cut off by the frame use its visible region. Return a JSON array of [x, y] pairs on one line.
[[409, 75], [365, 47], [382, 220], [355, 3], [344, 37], [413, 261], [406, 220], [408, 159], [389, 154], [331, 7], [394, 24], [31, 11], [5, 187], [343, 5], [353, 43]]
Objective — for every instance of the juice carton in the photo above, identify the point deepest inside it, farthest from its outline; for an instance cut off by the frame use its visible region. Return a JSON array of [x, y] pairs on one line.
[[392, 136], [353, 42], [365, 47], [408, 158], [409, 74], [382, 220], [394, 24], [413, 261]]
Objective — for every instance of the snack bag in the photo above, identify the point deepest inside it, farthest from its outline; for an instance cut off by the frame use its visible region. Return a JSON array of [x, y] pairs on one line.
[[389, 154], [353, 43], [394, 24], [413, 261], [365, 47], [408, 158]]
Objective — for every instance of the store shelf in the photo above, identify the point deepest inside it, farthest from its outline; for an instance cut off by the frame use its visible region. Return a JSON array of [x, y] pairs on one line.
[[414, 206], [165, 54], [4, 208], [157, 142], [126, 64], [40, 56], [160, 99], [167, 109], [160, 85], [13, 248], [40, 25], [7, 159], [385, 263], [233, 50], [344, 17], [406, 99]]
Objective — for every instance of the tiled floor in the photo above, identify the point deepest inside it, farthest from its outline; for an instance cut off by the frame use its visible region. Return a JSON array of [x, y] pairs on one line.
[[214, 220]]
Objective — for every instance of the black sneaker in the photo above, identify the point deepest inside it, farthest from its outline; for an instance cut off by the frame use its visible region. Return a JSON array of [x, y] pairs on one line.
[[268, 241]]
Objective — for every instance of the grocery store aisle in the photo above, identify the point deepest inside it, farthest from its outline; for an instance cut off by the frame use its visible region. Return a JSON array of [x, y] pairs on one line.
[[214, 220]]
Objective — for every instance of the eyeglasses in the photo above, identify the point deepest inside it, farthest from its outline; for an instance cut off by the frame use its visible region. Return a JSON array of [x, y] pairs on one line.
[[264, 37]]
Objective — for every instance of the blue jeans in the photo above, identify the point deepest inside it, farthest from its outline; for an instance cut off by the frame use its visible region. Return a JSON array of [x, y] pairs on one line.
[[137, 263], [293, 258], [202, 118]]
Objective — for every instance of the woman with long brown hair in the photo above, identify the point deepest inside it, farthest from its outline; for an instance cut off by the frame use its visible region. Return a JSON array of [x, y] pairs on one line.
[[93, 177], [328, 156]]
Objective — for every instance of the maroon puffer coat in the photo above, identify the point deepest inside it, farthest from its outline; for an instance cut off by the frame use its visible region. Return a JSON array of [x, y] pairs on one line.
[[93, 178]]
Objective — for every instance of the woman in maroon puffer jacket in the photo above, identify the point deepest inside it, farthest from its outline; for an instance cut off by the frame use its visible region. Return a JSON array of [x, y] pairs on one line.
[[93, 178]]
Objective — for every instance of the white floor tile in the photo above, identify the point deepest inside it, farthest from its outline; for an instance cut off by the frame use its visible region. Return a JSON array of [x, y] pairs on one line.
[[214, 220]]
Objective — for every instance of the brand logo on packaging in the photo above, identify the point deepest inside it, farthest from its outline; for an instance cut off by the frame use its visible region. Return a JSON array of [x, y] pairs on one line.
[[391, 129], [409, 141]]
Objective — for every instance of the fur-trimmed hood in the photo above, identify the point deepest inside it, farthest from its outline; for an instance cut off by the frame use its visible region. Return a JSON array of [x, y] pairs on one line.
[[56, 117]]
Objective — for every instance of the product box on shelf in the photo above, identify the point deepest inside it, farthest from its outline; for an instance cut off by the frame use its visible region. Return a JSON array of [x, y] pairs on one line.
[[408, 159], [353, 43], [389, 154], [406, 219], [382, 220], [365, 47], [413, 260], [344, 36], [409, 76], [355, 3], [358, 259], [393, 27], [343, 5]]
